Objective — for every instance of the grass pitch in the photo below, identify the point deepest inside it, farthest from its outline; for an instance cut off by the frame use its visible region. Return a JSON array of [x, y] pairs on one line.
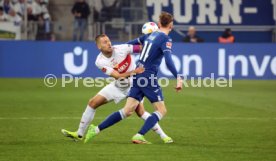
[[207, 124]]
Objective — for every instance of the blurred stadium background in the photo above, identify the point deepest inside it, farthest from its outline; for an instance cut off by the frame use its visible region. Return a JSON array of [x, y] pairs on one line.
[[207, 124]]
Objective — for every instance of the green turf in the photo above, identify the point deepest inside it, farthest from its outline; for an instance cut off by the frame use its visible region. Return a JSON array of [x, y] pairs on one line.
[[207, 124]]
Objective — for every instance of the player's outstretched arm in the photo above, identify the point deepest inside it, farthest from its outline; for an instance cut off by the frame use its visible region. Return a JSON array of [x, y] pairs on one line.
[[138, 41], [169, 63], [115, 74], [171, 67], [137, 48]]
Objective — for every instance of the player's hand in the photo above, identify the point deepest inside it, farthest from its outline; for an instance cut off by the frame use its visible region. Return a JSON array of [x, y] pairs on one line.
[[141, 47], [139, 70], [179, 84]]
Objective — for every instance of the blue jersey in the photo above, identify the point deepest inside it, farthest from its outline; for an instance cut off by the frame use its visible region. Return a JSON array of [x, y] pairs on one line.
[[155, 46]]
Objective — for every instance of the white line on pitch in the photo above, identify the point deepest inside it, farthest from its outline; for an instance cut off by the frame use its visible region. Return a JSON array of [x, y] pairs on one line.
[[133, 118]]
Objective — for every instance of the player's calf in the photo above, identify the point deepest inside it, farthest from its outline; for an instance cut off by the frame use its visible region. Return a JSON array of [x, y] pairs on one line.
[[130, 106], [140, 110]]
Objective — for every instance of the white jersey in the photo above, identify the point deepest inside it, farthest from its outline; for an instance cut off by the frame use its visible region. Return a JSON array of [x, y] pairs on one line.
[[121, 60]]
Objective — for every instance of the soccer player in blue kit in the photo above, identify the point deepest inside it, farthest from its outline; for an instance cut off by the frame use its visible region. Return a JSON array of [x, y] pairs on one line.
[[155, 46]]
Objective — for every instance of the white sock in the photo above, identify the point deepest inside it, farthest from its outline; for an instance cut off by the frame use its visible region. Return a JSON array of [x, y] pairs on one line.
[[87, 117], [145, 116], [156, 128], [97, 130], [138, 134]]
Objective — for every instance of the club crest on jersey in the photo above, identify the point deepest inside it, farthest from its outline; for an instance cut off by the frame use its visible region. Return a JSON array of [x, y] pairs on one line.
[[104, 70], [169, 45]]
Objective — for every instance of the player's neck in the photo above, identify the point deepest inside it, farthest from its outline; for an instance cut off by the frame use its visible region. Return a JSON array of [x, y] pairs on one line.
[[107, 54], [165, 31]]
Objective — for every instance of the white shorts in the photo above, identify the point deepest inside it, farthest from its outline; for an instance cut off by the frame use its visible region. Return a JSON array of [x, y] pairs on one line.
[[112, 92]]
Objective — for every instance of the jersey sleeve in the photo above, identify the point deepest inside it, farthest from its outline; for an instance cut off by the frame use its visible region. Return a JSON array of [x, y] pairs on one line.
[[126, 48], [167, 51], [138, 41], [167, 45], [107, 70]]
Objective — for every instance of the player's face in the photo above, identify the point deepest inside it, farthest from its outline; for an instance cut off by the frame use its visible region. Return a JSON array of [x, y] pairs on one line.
[[105, 45]]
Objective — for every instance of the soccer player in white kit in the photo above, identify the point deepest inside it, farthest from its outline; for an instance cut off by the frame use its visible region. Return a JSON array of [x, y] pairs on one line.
[[116, 62]]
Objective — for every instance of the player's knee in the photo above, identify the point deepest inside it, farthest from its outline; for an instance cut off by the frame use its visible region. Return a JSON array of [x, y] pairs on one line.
[[163, 111], [128, 112], [93, 104]]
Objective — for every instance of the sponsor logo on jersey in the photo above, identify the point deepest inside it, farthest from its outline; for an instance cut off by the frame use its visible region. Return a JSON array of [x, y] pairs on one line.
[[124, 65], [169, 45]]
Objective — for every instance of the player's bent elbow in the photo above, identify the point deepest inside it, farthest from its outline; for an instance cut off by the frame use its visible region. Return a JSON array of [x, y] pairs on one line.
[[118, 76], [115, 75]]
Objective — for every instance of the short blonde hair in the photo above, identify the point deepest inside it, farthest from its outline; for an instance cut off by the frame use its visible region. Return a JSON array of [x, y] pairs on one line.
[[97, 38]]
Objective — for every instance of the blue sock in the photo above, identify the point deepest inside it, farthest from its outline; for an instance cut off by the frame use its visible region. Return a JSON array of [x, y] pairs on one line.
[[149, 123], [111, 120]]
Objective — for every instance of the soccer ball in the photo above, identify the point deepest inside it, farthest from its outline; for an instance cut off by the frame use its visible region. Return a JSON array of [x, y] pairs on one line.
[[149, 27]]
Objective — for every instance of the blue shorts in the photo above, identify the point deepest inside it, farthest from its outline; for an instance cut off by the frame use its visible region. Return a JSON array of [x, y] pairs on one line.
[[153, 93]]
